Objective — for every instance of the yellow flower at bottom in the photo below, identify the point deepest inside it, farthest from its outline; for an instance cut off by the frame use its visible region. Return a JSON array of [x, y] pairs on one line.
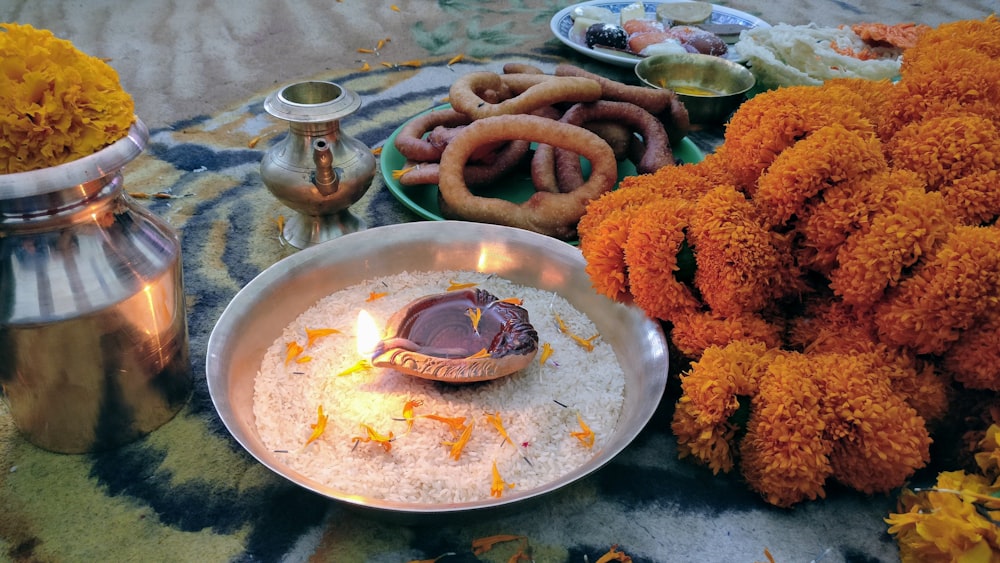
[[942, 524]]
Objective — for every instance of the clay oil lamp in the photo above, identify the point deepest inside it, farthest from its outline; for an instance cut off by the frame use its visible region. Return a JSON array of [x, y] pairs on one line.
[[458, 337]]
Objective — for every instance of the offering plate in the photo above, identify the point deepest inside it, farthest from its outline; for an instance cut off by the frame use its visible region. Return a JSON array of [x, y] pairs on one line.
[[255, 317]]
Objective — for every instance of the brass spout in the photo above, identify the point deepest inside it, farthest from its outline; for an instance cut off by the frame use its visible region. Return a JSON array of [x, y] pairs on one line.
[[326, 179]]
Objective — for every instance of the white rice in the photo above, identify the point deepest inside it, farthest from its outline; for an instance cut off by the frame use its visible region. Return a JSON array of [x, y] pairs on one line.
[[419, 469]]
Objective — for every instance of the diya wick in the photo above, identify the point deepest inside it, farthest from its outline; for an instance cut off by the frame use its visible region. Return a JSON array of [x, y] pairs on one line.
[[458, 337]]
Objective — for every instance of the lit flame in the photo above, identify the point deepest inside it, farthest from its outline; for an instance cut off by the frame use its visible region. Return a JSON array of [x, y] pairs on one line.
[[368, 334], [484, 260]]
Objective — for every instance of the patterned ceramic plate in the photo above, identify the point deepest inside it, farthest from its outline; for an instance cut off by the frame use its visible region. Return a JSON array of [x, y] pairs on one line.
[[562, 23]]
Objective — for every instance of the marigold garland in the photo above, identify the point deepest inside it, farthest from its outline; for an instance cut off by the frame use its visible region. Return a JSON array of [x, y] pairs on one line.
[[874, 258], [737, 261], [846, 236], [765, 126], [826, 157], [824, 225], [60, 104], [946, 294]]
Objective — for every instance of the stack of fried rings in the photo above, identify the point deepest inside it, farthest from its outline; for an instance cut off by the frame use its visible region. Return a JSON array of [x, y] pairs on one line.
[[570, 114]]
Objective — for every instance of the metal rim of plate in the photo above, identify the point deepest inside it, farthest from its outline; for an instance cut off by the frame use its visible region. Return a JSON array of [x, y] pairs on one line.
[[562, 22]]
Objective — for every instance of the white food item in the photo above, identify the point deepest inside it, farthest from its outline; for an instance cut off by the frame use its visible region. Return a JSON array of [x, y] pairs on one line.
[[670, 46], [634, 11], [594, 13], [789, 55], [683, 13]]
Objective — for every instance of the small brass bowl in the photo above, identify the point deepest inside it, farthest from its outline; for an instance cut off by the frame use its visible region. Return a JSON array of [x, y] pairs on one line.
[[711, 88]]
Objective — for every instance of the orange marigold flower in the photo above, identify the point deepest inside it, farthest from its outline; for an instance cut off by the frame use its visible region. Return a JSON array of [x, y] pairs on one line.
[[974, 359], [784, 455], [767, 124], [655, 238], [721, 375], [979, 36], [945, 294], [737, 264], [941, 149], [974, 199], [687, 181], [59, 104], [941, 82], [865, 95], [879, 439], [712, 392], [605, 256], [825, 223], [693, 332], [874, 259], [828, 156]]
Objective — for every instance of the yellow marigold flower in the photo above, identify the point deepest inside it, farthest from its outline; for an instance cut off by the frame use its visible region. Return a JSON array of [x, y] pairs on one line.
[[945, 294], [944, 523], [988, 459], [874, 259], [59, 104], [828, 156]]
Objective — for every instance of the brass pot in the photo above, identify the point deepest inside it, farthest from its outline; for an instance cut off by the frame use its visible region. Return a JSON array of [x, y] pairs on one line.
[[317, 170]]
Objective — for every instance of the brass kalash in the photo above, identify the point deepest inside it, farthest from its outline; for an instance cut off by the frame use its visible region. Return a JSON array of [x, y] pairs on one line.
[[317, 170]]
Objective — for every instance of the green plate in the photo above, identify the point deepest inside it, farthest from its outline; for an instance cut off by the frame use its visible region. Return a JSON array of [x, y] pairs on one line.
[[423, 199]]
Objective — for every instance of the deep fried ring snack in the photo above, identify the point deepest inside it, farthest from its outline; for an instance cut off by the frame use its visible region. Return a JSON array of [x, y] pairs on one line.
[[658, 153], [662, 103], [528, 92], [410, 140], [521, 68], [499, 163], [552, 214], [653, 100], [567, 168]]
